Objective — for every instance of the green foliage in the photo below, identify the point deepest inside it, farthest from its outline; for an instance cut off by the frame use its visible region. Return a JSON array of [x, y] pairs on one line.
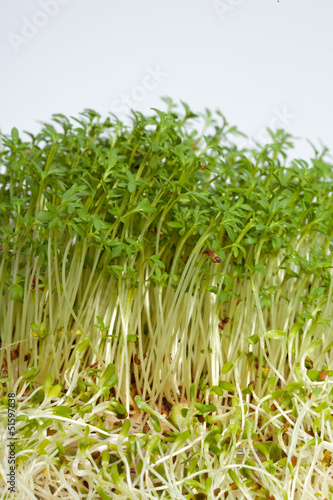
[[147, 260]]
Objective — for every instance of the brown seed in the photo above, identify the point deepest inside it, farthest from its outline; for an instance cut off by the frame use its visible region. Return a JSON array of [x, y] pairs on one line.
[[14, 353], [323, 374], [209, 252], [217, 259], [327, 460], [202, 166]]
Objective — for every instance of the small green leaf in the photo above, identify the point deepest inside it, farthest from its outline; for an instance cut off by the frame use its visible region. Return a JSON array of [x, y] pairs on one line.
[[321, 407], [109, 371], [314, 345], [314, 375], [83, 345], [131, 186], [253, 340], [142, 405], [111, 382], [116, 479], [55, 391], [156, 423], [227, 386], [144, 206], [175, 224], [15, 135], [30, 373], [233, 476], [152, 444], [45, 217], [294, 386], [227, 367], [16, 292], [64, 411], [125, 429], [274, 334], [218, 390], [205, 408], [181, 438]]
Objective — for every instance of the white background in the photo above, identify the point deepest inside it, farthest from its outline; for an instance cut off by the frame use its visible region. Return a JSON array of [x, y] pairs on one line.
[[261, 62]]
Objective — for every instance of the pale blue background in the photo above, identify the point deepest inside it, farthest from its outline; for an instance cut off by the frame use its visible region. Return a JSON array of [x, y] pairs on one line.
[[255, 60]]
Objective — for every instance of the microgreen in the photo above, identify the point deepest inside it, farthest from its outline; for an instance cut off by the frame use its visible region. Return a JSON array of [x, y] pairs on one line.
[[156, 265]]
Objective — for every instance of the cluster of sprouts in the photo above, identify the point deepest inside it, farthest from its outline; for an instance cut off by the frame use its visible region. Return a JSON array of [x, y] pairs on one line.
[[156, 267]]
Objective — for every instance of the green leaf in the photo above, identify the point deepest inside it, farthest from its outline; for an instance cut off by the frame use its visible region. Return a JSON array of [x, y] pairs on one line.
[[144, 206], [98, 224], [205, 408], [233, 476], [118, 408], [261, 447], [153, 442], [131, 186], [156, 423], [55, 391], [314, 345], [294, 386], [63, 411], [117, 250], [227, 367], [274, 451], [125, 429], [227, 386], [142, 405], [192, 483], [175, 224], [109, 372], [15, 135], [181, 438], [30, 373], [83, 345], [116, 479], [274, 334], [253, 340], [16, 292], [218, 390], [111, 382], [45, 217], [223, 296], [321, 407]]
